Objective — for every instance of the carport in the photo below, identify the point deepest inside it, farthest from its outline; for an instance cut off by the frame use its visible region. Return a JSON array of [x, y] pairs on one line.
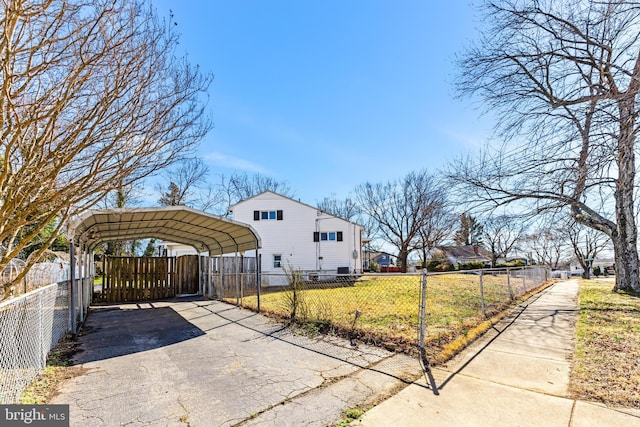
[[208, 233]]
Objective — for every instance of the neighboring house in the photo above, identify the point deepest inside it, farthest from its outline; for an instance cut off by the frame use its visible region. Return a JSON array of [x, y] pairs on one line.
[[172, 249], [380, 258], [301, 236], [462, 254], [576, 269]]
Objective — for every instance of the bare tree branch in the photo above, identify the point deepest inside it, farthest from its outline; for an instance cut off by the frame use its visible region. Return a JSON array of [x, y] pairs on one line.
[[562, 79], [92, 98]]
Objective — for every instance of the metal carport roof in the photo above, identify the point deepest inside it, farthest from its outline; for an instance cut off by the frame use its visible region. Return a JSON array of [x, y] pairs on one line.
[[180, 224]]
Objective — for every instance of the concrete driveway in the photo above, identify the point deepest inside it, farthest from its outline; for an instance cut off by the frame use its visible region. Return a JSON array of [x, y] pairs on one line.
[[205, 363]]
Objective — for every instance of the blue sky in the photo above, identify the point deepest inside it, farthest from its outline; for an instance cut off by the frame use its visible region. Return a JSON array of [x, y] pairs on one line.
[[327, 95]]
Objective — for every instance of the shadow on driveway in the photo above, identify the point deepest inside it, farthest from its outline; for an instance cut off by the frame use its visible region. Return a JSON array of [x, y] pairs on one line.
[[117, 331]]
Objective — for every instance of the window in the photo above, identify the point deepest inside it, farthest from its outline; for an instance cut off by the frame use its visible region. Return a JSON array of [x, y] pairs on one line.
[[327, 236], [277, 261], [267, 215]]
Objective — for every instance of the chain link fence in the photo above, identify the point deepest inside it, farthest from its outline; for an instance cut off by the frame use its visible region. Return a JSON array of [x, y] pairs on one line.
[[384, 309], [40, 274], [30, 326]]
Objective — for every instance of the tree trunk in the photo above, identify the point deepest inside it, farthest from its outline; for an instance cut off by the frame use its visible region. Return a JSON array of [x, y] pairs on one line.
[[625, 238], [626, 262], [402, 259], [626, 265]]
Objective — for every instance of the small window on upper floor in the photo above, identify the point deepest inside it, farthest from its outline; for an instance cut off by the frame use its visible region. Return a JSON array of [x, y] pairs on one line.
[[277, 261], [267, 215]]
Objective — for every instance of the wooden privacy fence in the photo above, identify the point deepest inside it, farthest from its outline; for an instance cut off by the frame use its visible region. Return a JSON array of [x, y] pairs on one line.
[[187, 280], [129, 279], [133, 279]]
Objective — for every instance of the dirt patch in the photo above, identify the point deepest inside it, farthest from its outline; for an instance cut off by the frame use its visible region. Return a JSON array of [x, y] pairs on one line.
[[58, 370]]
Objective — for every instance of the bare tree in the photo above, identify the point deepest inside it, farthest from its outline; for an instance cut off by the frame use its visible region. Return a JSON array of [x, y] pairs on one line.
[[350, 210], [92, 97], [587, 243], [344, 208], [244, 186], [241, 186], [183, 183], [401, 209], [501, 234], [548, 246], [120, 197], [436, 229], [562, 79]]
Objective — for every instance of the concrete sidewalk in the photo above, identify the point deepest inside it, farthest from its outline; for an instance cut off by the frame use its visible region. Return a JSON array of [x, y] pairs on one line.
[[517, 374]]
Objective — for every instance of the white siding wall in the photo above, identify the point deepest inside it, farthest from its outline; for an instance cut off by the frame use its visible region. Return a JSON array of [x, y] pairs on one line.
[[292, 238]]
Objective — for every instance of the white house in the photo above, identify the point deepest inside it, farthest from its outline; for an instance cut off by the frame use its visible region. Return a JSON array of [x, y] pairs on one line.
[[301, 236]]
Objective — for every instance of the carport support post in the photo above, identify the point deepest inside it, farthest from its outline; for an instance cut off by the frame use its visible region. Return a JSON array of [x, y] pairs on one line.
[[81, 282], [237, 284], [258, 265]]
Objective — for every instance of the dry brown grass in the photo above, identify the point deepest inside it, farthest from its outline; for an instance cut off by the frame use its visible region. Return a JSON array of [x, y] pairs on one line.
[[389, 310], [606, 366]]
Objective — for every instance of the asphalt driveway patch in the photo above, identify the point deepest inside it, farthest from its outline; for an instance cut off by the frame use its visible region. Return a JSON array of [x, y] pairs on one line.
[[201, 363]]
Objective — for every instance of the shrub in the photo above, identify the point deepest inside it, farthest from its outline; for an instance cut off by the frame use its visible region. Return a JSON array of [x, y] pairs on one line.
[[294, 301], [515, 263], [432, 264], [597, 271], [473, 265], [374, 267]]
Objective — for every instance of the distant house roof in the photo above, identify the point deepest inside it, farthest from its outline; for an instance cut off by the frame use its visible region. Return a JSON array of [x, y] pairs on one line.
[[466, 253]]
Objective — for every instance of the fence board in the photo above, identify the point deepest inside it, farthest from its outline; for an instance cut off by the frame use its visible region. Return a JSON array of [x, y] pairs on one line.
[[131, 279]]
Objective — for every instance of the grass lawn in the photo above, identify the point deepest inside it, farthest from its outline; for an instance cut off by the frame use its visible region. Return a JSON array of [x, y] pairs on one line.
[[606, 367], [389, 308]]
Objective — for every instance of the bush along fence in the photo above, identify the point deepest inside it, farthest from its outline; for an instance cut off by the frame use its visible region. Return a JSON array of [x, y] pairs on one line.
[[30, 326], [385, 309]]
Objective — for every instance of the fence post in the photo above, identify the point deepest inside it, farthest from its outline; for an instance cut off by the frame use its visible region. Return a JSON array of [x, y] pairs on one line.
[[72, 288], [509, 284], [484, 311], [423, 308], [423, 326]]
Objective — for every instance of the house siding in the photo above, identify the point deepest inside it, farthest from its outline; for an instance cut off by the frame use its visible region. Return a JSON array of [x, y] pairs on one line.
[[292, 237]]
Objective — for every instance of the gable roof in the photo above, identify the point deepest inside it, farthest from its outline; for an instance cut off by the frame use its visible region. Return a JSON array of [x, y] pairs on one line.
[[465, 252], [293, 200]]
